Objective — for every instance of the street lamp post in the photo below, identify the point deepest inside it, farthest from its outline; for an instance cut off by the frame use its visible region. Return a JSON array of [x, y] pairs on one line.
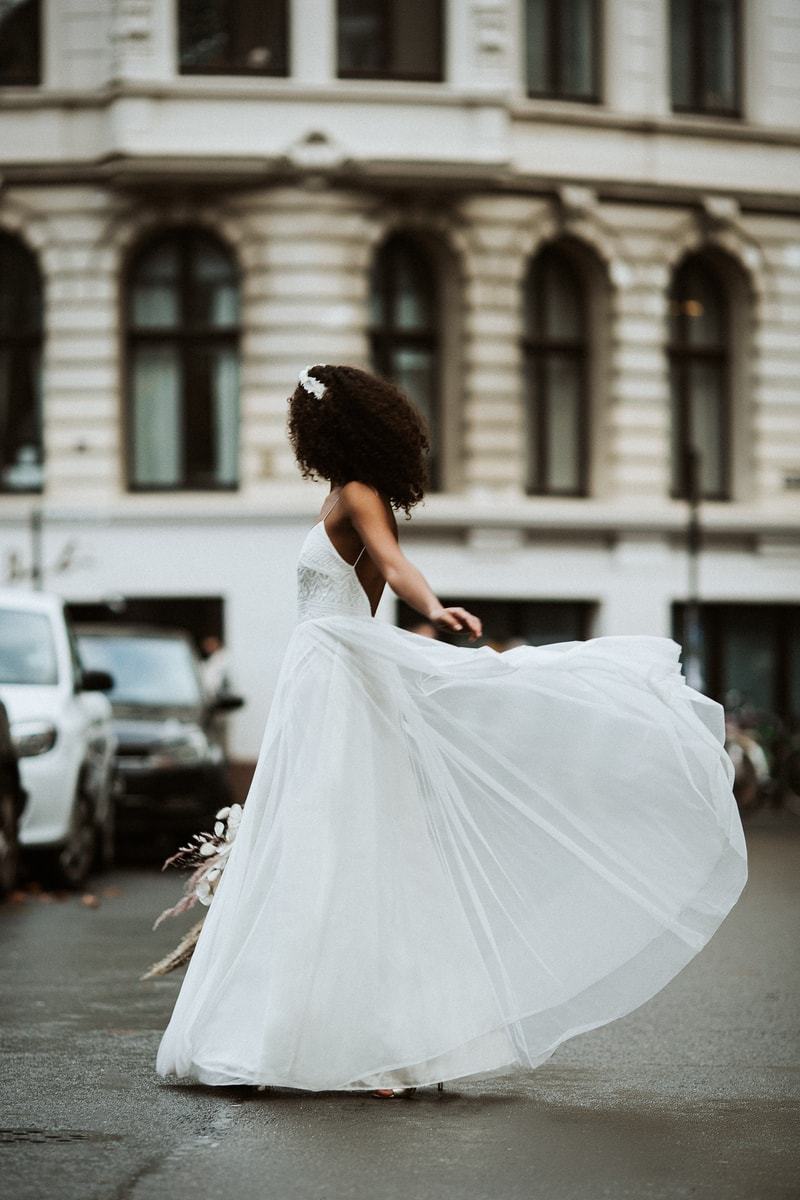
[[37, 568], [692, 627]]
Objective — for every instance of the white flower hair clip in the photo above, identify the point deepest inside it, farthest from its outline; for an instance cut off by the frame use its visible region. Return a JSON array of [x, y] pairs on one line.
[[311, 384]]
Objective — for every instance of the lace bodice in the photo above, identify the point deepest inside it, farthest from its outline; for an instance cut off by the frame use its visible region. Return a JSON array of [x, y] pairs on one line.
[[326, 584]]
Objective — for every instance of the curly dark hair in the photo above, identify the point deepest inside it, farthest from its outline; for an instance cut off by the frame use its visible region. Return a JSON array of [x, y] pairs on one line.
[[362, 428]]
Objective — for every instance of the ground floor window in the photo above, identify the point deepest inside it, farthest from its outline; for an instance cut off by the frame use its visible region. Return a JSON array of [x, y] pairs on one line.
[[750, 657], [508, 623]]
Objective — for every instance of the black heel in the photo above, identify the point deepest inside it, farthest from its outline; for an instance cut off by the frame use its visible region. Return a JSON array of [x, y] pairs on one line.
[[440, 1087]]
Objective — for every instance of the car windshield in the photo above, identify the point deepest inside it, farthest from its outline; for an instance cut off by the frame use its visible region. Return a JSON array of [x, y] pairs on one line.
[[146, 670], [27, 650]]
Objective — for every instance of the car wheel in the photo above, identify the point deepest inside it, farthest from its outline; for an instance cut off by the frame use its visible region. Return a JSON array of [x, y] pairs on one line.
[[69, 864], [9, 844]]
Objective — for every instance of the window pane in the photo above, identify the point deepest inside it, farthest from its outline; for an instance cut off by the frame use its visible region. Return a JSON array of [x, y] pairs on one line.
[[20, 418], [157, 428], [398, 39], [212, 417], [27, 651], [748, 658], [362, 37], [705, 393], [413, 371], [20, 368], [20, 42], [146, 670], [560, 298], [226, 415], [562, 398], [215, 291], [719, 45], [415, 36], [20, 288], [233, 37], [536, 40], [554, 308], [680, 52], [576, 44], [702, 305], [412, 297], [534, 481], [155, 300]]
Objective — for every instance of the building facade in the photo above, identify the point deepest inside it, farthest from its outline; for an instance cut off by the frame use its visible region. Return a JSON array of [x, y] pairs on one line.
[[571, 230]]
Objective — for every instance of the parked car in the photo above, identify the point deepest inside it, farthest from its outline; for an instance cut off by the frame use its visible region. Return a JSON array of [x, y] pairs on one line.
[[13, 798], [170, 760], [61, 726]]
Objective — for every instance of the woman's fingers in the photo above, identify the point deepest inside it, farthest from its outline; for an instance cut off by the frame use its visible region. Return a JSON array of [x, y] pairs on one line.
[[457, 618]]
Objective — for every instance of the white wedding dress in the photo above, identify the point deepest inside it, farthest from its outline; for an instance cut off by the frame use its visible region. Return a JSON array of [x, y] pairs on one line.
[[452, 860]]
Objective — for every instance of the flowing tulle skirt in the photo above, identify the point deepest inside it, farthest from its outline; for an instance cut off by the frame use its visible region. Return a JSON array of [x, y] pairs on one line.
[[452, 860]]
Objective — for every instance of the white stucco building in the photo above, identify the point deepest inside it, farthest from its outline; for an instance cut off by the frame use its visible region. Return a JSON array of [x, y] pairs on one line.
[[571, 230]]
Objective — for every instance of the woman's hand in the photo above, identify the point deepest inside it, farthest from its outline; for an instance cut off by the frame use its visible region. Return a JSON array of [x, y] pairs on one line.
[[455, 619]]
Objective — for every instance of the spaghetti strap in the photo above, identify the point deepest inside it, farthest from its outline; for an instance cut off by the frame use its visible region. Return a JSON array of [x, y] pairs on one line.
[[361, 551], [332, 507]]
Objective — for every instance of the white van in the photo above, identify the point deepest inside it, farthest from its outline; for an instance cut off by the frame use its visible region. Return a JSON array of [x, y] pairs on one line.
[[62, 729]]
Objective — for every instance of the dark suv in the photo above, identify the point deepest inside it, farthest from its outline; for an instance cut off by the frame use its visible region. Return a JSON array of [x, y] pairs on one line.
[[171, 773]]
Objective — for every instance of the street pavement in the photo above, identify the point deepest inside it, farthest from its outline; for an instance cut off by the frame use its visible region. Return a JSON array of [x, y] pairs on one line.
[[696, 1094]]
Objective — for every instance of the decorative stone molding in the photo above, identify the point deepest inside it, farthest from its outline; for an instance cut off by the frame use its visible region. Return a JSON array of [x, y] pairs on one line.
[[718, 224], [490, 33], [25, 223], [576, 214], [317, 150], [127, 228], [132, 29], [420, 219]]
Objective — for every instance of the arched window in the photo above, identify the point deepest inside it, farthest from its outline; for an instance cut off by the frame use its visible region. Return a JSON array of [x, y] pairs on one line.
[[556, 352], [405, 341], [20, 368], [183, 363], [699, 359]]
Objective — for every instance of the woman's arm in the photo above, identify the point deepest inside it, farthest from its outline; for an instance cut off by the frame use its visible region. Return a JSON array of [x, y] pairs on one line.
[[371, 518]]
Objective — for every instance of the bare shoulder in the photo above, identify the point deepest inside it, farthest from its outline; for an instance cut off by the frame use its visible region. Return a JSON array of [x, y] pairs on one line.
[[368, 507], [363, 498]]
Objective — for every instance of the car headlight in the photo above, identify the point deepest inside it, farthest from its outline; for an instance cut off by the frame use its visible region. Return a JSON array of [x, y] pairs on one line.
[[188, 746], [33, 737]]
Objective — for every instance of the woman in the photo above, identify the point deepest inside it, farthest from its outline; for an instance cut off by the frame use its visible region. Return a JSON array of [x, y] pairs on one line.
[[450, 860]]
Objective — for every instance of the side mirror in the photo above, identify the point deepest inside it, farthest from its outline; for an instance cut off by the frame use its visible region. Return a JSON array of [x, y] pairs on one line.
[[226, 702], [96, 681]]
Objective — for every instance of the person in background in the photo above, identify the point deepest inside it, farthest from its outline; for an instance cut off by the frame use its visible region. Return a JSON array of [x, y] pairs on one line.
[[215, 666]]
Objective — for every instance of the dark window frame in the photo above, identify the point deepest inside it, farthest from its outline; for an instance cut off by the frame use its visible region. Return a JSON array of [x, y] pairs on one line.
[[185, 336], [537, 348], [386, 73], [282, 71], [385, 339], [33, 78], [697, 68], [554, 37], [681, 355], [28, 341]]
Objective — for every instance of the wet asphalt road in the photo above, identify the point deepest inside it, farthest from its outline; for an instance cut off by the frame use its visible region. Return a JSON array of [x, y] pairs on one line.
[[696, 1094]]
